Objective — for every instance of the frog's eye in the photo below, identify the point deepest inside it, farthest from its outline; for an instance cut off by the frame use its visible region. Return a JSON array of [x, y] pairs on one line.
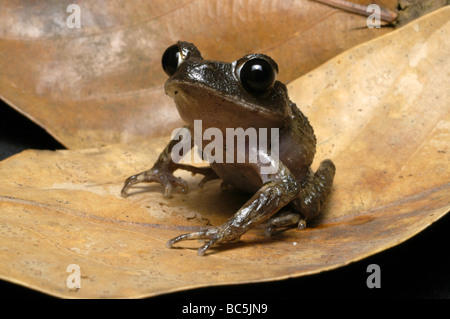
[[257, 75], [171, 59]]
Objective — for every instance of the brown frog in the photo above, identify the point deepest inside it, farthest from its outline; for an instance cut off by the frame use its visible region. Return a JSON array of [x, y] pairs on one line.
[[243, 94]]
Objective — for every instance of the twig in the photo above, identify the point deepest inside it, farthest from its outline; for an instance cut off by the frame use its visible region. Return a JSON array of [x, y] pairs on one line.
[[361, 9]]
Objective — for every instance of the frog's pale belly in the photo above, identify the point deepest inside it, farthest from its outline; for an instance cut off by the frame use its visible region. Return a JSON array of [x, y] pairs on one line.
[[239, 175]]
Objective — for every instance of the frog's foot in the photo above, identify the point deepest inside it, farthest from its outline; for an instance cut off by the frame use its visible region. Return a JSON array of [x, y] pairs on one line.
[[284, 220], [269, 199], [207, 172], [214, 234], [163, 177]]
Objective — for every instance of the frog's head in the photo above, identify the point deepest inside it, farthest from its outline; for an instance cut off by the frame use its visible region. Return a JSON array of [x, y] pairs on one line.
[[244, 93]]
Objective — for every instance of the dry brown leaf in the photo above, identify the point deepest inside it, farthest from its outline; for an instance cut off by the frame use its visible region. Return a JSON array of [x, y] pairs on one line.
[[380, 111], [102, 83]]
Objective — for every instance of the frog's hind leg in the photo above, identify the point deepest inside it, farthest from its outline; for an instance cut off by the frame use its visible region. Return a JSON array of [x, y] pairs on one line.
[[285, 219], [269, 199], [313, 195], [314, 191]]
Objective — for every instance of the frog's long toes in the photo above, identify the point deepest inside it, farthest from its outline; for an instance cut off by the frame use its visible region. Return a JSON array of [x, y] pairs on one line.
[[168, 191], [130, 181], [181, 183], [184, 187], [195, 235], [178, 182], [201, 251], [124, 192], [269, 231], [202, 182], [301, 224]]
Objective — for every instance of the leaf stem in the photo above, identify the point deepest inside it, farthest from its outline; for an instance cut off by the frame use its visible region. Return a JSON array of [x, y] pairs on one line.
[[385, 14]]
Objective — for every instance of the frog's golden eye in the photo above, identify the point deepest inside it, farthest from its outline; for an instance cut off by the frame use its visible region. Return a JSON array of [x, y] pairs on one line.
[[171, 59], [257, 75]]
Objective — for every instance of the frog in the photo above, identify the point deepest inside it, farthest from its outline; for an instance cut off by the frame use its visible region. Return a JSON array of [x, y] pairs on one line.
[[242, 94]]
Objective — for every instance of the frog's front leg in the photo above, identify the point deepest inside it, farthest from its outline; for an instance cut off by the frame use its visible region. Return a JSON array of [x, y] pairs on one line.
[[162, 172], [277, 191]]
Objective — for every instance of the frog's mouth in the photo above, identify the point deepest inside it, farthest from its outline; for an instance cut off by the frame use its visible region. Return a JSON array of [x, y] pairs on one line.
[[196, 101]]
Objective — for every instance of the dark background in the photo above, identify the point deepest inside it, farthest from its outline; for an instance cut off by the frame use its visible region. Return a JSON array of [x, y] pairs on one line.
[[417, 268]]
